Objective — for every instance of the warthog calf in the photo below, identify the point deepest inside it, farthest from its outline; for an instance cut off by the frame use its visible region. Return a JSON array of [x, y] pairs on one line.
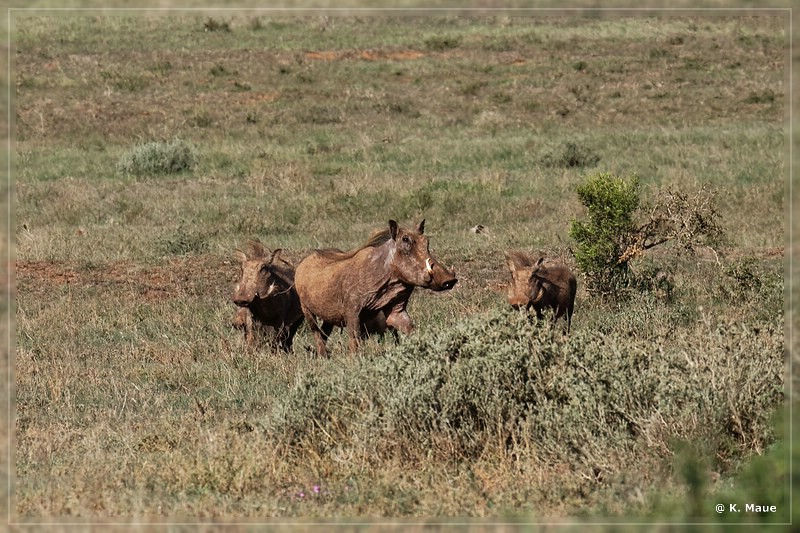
[[353, 289], [265, 294], [541, 284]]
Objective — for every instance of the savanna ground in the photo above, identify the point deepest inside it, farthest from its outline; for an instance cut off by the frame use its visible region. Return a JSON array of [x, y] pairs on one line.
[[135, 397]]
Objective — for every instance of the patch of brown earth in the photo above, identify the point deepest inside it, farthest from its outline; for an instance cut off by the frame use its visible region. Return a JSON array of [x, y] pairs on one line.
[[180, 276]]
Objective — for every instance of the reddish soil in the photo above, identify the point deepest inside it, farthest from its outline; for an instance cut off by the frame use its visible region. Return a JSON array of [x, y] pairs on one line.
[[180, 276]]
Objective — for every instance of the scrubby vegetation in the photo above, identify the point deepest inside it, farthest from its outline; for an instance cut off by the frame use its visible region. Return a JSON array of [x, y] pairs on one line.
[[158, 157], [493, 384], [618, 228], [136, 398]]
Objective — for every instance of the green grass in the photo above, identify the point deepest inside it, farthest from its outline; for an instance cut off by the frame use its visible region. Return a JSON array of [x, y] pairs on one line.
[[135, 397]]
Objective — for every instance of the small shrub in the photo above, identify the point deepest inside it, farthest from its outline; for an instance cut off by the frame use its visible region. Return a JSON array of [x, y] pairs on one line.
[[473, 88], [256, 24], [218, 70], [440, 44], [751, 282], [202, 120], [216, 25], [652, 279], [183, 242], [611, 236], [498, 44], [501, 98], [765, 97], [158, 158], [611, 202], [571, 155], [320, 115]]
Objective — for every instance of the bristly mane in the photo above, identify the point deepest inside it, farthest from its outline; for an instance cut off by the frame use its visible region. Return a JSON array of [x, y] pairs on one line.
[[377, 238], [520, 259], [256, 250]]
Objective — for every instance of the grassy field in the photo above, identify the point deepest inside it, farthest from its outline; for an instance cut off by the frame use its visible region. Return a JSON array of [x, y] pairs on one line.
[[135, 399]]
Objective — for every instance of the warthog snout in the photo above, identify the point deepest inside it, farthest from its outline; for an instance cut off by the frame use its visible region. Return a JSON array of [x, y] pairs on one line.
[[441, 279], [449, 284], [240, 298]]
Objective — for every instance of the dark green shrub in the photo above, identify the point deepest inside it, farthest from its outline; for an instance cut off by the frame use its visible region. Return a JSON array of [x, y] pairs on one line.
[[765, 97], [158, 158], [571, 155], [215, 25], [441, 43], [611, 203]]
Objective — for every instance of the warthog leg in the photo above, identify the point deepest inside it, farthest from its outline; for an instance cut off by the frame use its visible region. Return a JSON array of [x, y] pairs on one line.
[[400, 321], [320, 336]]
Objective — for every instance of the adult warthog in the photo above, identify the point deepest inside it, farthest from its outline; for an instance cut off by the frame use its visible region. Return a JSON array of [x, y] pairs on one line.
[[349, 289], [541, 284], [265, 294]]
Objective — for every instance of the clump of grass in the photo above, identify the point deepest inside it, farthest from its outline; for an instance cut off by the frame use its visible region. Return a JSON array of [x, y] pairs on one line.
[[571, 155], [441, 43], [765, 97], [218, 70], [183, 242], [216, 25], [158, 157]]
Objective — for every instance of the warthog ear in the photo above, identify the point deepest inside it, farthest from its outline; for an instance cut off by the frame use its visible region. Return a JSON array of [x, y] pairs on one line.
[[275, 255], [239, 256], [393, 229], [421, 227], [536, 267], [512, 265], [516, 261]]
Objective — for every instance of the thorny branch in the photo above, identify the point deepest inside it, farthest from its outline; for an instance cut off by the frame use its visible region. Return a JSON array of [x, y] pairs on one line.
[[676, 216]]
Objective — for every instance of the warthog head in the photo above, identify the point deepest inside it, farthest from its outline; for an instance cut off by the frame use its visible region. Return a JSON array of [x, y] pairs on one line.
[[541, 284], [260, 279], [413, 262], [521, 268]]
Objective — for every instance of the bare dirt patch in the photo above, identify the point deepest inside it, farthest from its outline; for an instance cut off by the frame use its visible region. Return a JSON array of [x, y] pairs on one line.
[[179, 277]]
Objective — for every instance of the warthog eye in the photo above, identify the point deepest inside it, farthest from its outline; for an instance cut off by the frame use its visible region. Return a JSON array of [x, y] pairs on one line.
[[264, 269]]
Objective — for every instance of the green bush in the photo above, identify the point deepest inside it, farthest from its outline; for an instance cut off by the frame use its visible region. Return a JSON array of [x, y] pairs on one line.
[[158, 157], [614, 232], [611, 203]]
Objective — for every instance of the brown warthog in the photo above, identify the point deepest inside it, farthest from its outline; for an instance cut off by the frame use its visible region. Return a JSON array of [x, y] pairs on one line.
[[541, 284], [266, 296], [350, 289]]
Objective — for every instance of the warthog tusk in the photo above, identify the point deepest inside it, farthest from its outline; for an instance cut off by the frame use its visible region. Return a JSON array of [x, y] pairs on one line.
[[428, 265]]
